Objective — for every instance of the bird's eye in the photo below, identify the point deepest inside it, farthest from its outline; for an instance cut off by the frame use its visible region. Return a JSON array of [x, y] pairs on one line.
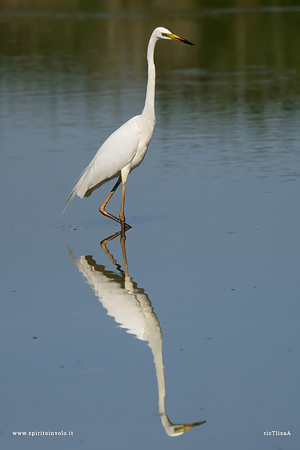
[[165, 34]]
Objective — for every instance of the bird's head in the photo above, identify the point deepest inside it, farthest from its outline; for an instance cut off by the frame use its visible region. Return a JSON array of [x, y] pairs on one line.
[[177, 430], [164, 33]]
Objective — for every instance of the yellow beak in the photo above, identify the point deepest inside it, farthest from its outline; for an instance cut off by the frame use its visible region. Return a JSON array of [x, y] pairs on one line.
[[178, 38]]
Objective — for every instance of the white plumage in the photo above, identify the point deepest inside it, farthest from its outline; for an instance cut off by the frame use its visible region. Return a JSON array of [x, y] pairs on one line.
[[125, 149], [109, 161]]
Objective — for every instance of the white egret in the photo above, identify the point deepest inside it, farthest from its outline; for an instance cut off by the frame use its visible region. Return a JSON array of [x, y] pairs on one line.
[[125, 149]]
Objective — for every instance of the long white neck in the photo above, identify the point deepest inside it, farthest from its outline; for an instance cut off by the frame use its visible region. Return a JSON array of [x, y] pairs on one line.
[[150, 93]]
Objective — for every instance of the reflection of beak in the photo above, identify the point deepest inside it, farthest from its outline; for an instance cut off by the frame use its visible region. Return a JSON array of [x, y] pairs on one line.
[[187, 427], [178, 38]]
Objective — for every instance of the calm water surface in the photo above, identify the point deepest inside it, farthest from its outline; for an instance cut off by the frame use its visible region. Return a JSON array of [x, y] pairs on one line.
[[195, 317]]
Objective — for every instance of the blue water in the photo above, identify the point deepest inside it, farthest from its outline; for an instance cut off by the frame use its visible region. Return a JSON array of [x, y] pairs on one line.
[[213, 252]]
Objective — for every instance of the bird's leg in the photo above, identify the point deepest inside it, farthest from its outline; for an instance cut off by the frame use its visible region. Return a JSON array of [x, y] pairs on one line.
[[102, 207], [105, 213], [124, 226]]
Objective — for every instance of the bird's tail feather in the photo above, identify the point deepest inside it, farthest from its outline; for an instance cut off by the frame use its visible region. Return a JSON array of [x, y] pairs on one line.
[[70, 198], [77, 188]]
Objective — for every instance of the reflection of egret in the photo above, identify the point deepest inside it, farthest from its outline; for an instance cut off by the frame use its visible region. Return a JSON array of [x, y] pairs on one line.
[[125, 149], [130, 306]]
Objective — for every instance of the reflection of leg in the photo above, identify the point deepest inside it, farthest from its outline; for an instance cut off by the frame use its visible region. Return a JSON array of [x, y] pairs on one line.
[[103, 245], [102, 207], [122, 241]]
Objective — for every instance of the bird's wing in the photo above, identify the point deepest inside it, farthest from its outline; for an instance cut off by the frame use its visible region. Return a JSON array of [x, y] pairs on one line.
[[115, 153]]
